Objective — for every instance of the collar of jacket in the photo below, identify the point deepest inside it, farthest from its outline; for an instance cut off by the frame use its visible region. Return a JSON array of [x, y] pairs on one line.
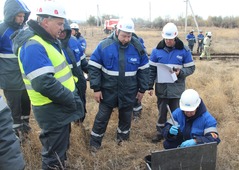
[[115, 38], [67, 28], [15, 26], [64, 42], [134, 40], [178, 45], [34, 25], [19, 37]]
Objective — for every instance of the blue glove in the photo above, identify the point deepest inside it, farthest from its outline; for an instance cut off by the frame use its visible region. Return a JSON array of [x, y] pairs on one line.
[[190, 142], [173, 130]]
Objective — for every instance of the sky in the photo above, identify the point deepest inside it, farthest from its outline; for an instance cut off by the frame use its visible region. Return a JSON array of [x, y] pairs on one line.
[[145, 9]]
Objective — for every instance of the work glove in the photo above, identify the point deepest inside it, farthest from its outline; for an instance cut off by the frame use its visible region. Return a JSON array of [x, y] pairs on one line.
[[190, 142], [173, 130]]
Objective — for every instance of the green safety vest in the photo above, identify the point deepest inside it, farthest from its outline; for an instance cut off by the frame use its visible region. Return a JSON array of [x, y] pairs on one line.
[[62, 73]]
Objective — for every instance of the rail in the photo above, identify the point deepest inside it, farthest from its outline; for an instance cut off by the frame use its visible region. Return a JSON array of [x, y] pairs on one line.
[[219, 56]]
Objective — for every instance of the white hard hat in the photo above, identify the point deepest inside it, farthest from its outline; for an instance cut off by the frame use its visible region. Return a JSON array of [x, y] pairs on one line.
[[74, 26], [189, 100], [170, 31], [51, 8], [126, 25], [209, 33]]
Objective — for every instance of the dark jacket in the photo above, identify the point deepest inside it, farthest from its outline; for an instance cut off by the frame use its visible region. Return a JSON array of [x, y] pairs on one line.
[[10, 76], [10, 149], [76, 58], [118, 71]]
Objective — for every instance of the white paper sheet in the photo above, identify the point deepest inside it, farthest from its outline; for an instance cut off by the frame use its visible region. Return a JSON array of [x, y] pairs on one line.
[[165, 74]]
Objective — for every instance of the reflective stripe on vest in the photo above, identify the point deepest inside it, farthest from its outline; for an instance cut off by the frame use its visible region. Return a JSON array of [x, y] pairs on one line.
[[63, 75]]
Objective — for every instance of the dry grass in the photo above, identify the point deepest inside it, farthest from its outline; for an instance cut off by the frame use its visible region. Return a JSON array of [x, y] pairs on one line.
[[224, 40], [217, 83]]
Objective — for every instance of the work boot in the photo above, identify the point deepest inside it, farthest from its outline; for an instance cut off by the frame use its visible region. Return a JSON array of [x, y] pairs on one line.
[[20, 135], [136, 115], [209, 58], [157, 138], [26, 128], [119, 142], [94, 150]]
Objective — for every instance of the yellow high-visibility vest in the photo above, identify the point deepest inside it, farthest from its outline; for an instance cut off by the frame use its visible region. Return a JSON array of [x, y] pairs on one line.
[[62, 73]]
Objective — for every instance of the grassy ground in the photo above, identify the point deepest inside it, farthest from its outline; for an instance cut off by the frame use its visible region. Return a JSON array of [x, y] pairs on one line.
[[224, 41], [219, 92]]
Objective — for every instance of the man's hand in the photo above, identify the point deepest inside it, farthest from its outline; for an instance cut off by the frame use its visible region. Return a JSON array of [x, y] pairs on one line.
[[190, 142], [98, 96], [139, 96], [173, 130], [151, 92], [176, 70]]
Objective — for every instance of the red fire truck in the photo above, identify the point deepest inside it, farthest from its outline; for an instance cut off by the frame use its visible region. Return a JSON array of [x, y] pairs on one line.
[[109, 25]]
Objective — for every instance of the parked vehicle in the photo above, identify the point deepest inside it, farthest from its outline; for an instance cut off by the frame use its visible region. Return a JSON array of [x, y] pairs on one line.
[[110, 25]]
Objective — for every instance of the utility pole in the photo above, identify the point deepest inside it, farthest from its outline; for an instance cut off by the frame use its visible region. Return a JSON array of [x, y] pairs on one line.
[[194, 16], [149, 11], [99, 19], [186, 17]]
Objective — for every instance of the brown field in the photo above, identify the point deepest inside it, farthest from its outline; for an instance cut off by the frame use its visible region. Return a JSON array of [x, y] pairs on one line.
[[217, 83], [225, 41]]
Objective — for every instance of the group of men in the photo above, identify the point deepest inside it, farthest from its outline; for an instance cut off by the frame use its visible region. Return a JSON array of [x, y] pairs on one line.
[[49, 65], [204, 43]]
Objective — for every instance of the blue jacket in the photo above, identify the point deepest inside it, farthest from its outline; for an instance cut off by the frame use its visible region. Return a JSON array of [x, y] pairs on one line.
[[180, 57], [202, 127], [82, 42], [191, 39], [10, 75], [78, 51], [118, 71], [80, 60], [200, 38]]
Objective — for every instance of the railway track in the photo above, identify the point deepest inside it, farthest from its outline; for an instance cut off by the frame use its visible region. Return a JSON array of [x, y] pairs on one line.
[[219, 56]]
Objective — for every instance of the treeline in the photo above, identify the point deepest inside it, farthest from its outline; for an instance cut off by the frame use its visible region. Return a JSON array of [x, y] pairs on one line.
[[211, 21]]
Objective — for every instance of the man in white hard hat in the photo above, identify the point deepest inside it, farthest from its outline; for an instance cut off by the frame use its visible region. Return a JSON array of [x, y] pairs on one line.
[[191, 124], [170, 52], [49, 82], [206, 46], [200, 38], [118, 70], [191, 40], [76, 32]]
